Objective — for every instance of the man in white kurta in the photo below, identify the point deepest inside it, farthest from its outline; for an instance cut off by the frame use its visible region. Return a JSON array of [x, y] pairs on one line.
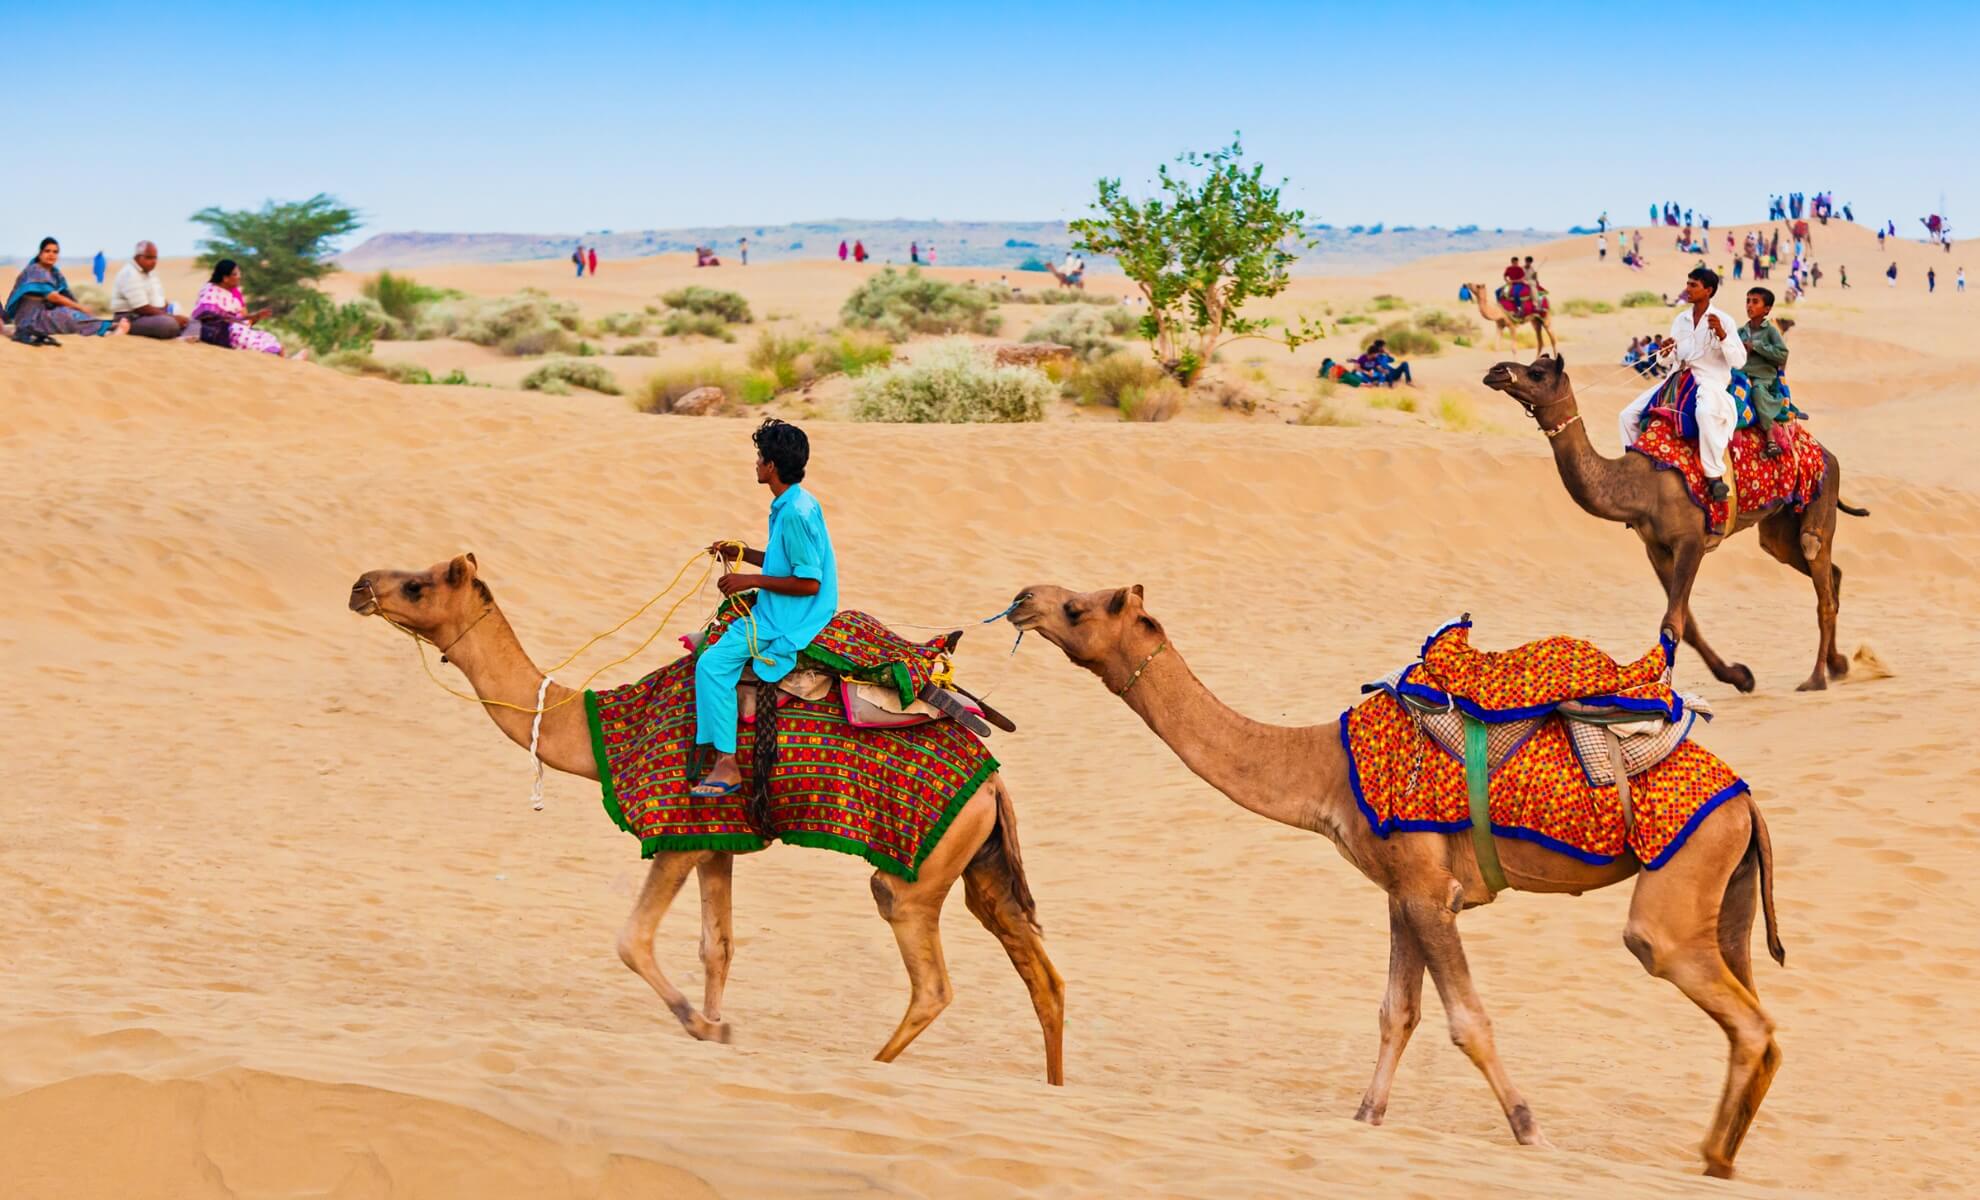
[[1704, 339]]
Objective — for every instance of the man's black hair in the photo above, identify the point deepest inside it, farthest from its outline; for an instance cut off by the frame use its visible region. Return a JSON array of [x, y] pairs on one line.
[[1763, 293], [1706, 276], [783, 446]]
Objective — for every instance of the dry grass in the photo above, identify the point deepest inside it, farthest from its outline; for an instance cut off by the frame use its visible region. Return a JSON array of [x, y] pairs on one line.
[[1157, 401], [1457, 413]]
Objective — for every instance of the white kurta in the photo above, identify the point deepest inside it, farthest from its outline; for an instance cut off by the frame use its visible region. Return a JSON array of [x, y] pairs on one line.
[[1712, 360]]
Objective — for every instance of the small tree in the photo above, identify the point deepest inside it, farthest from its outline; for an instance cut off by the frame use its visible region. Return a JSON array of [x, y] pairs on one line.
[[1215, 239], [282, 248]]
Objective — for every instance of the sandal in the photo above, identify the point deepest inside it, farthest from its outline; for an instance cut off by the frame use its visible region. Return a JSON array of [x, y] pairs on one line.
[[713, 791]]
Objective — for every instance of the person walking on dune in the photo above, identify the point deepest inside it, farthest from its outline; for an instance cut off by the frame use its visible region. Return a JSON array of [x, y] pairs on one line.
[[842, 249], [1931, 281], [914, 253], [97, 266], [577, 256], [859, 251], [591, 260], [1890, 275]]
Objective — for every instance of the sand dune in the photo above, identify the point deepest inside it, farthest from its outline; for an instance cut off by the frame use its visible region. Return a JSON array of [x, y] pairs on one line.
[[284, 924]]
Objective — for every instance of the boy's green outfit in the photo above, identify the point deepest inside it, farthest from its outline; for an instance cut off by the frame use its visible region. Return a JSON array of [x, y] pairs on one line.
[[1766, 355]]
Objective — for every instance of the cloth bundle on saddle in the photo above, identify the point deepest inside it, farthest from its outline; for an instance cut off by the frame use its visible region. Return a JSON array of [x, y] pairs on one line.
[[1669, 438], [1522, 299], [1677, 402], [881, 679]]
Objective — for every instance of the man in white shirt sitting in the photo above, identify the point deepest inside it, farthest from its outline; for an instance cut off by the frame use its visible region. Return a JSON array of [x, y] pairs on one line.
[[1703, 340], [139, 297]]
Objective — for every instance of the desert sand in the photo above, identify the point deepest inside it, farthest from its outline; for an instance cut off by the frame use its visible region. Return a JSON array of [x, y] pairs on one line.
[[281, 922]]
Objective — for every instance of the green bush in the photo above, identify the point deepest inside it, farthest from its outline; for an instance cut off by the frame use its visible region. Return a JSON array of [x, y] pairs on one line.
[[621, 324], [729, 306], [327, 327], [951, 383], [658, 391], [1586, 308], [1386, 303], [282, 248], [1642, 300], [1100, 384], [363, 365], [527, 323], [900, 304], [1404, 339], [402, 298], [1438, 321], [638, 350], [1089, 331], [786, 358], [1157, 401], [851, 353], [685, 323], [1457, 413], [561, 376], [1355, 319]]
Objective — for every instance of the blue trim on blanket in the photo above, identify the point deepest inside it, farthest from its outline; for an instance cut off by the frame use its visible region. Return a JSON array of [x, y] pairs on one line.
[[1520, 833], [1382, 829], [1446, 627], [1671, 712], [1736, 788]]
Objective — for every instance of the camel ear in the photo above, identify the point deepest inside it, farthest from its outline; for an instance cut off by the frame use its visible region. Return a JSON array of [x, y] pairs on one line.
[[460, 570], [1560, 364], [470, 558]]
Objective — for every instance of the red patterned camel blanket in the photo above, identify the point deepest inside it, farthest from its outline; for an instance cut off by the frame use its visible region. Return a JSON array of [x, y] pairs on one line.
[[1546, 774], [886, 795], [1669, 439]]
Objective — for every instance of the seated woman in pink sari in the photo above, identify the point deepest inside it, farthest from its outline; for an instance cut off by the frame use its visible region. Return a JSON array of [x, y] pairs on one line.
[[220, 304]]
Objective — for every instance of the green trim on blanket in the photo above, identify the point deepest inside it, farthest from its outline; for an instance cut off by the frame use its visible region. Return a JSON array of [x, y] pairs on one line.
[[735, 843], [608, 793], [887, 862], [894, 673]]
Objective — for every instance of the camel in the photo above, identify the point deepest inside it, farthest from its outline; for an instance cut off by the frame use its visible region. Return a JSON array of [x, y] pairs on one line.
[[1690, 921], [1077, 280], [1654, 503], [1508, 323], [451, 607]]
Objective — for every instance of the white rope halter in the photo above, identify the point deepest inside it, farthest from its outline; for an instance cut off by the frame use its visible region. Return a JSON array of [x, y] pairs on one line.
[[535, 759]]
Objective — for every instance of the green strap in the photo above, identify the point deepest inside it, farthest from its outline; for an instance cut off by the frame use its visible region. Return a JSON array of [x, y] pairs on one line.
[[1477, 781]]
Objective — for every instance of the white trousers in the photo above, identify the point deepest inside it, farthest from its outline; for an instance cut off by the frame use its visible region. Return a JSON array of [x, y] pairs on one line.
[[1716, 419]]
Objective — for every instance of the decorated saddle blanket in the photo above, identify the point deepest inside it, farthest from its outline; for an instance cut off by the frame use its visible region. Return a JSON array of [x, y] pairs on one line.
[[886, 795], [1670, 439], [1522, 299], [1549, 781]]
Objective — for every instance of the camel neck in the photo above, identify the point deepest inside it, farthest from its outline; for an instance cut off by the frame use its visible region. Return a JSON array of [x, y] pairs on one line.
[[1593, 481], [492, 659], [1284, 773]]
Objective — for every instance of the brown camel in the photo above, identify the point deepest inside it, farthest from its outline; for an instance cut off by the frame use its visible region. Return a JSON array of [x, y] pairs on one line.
[[1508, 323], [1690, 921], [1654, 503], [448, 606], [1067, 281]]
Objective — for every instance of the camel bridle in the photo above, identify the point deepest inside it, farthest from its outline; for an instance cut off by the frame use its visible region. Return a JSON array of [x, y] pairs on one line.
[[378, 610]]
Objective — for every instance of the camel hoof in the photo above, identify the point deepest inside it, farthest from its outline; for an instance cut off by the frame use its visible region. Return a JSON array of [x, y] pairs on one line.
[[1368, 1114], [1838, 665], [1718, 1170], [710, 1031], [1814, 683], [1740, 677]]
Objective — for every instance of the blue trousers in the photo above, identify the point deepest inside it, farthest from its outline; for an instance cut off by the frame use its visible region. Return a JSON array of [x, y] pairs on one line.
[[716, 674]]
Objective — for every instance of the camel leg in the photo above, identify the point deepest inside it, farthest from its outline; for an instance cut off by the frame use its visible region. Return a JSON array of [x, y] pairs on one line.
[[1675, 930], [663, 883], [914, 911], [1435, 927], [1402, 1007], [987, 892], [1736, 911], [1664, 562], [1784, 536], [718, 943]]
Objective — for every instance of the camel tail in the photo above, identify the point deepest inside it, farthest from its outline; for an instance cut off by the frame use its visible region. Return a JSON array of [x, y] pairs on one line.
[[1001, 851], [1851, 509], [1763, 848]]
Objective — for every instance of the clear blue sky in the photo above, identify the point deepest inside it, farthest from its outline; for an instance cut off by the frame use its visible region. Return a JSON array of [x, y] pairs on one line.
[[574, 117]]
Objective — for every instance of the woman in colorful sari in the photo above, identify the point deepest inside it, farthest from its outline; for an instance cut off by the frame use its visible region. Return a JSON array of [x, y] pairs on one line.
[[220, 303], [41, 304]]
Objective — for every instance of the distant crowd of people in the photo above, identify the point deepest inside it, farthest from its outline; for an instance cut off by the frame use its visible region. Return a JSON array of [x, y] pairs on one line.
[[41, 306]]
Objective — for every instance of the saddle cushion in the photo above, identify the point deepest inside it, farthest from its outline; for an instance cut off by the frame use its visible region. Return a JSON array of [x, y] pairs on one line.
[[886, 795], [1531, 680], [1794, 479]]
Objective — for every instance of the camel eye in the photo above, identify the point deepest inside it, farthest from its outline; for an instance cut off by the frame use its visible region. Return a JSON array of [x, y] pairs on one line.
[[412, 590], [1072, 615]]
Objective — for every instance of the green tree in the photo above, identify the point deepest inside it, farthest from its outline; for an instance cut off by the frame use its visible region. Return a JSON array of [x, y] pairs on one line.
[[282, 248], [1214, 239]]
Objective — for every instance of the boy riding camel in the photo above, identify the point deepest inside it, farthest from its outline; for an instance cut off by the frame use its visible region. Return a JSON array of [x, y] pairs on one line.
[[1766, 357]]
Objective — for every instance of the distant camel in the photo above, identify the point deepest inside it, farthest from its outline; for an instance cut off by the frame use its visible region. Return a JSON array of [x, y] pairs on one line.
[[1508, 323], [1076, 280]]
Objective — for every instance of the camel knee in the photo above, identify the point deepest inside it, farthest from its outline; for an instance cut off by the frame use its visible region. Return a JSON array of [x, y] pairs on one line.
[[716, 952], [1471, 1032], [1643, 943], [634, 952], [883, 896], [1399, 1019]]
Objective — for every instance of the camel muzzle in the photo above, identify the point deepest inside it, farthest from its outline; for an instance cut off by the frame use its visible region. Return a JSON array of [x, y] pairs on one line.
[[1498, 377], [364, 601]]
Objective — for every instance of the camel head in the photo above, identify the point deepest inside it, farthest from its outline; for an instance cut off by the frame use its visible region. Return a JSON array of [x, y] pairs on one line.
[[437, 603], [1106, 632], [1541, 387]]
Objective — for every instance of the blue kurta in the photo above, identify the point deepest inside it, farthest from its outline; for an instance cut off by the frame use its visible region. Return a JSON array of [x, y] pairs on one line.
[[799, 546]]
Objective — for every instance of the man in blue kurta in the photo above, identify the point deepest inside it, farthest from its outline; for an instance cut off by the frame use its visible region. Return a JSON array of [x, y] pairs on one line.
[[796, 596]]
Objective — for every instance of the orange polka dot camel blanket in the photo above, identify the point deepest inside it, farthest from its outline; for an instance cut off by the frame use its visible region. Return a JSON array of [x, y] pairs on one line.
[[1552, 742]]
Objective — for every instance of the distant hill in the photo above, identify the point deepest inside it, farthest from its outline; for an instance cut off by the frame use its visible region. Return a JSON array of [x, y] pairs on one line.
[[1002, 244]]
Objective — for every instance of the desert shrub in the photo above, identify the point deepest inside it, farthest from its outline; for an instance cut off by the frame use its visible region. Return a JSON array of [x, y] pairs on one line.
[[728, 306], [852, 352], [402, 298], [1157, 401], [1089, 331], [786, 358], [1404, 339], [1642, 300], [899, 304], [327, 327], [527, 323], [1436, 320], [686, 323], [1386, 303], [1100, 383], [952, 383], [1233, 395], [362, 364], [1586, 308], [621, 324], [1389, 398], [590, 376], [284, 248], [1355, 319], [1461, 340], [658, 391], [1326, 406], [1457, 413], [638, 350]]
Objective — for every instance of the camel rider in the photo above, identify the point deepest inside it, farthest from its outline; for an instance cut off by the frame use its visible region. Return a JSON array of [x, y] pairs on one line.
[[1514, 299], [1766, 358], [1702, 340], [796, 596]]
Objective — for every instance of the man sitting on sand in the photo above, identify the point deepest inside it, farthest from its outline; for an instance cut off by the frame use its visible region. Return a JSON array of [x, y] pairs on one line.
[[796, 596], [1378, 366], [138, 296], [1702, 342], [1766, 355]]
